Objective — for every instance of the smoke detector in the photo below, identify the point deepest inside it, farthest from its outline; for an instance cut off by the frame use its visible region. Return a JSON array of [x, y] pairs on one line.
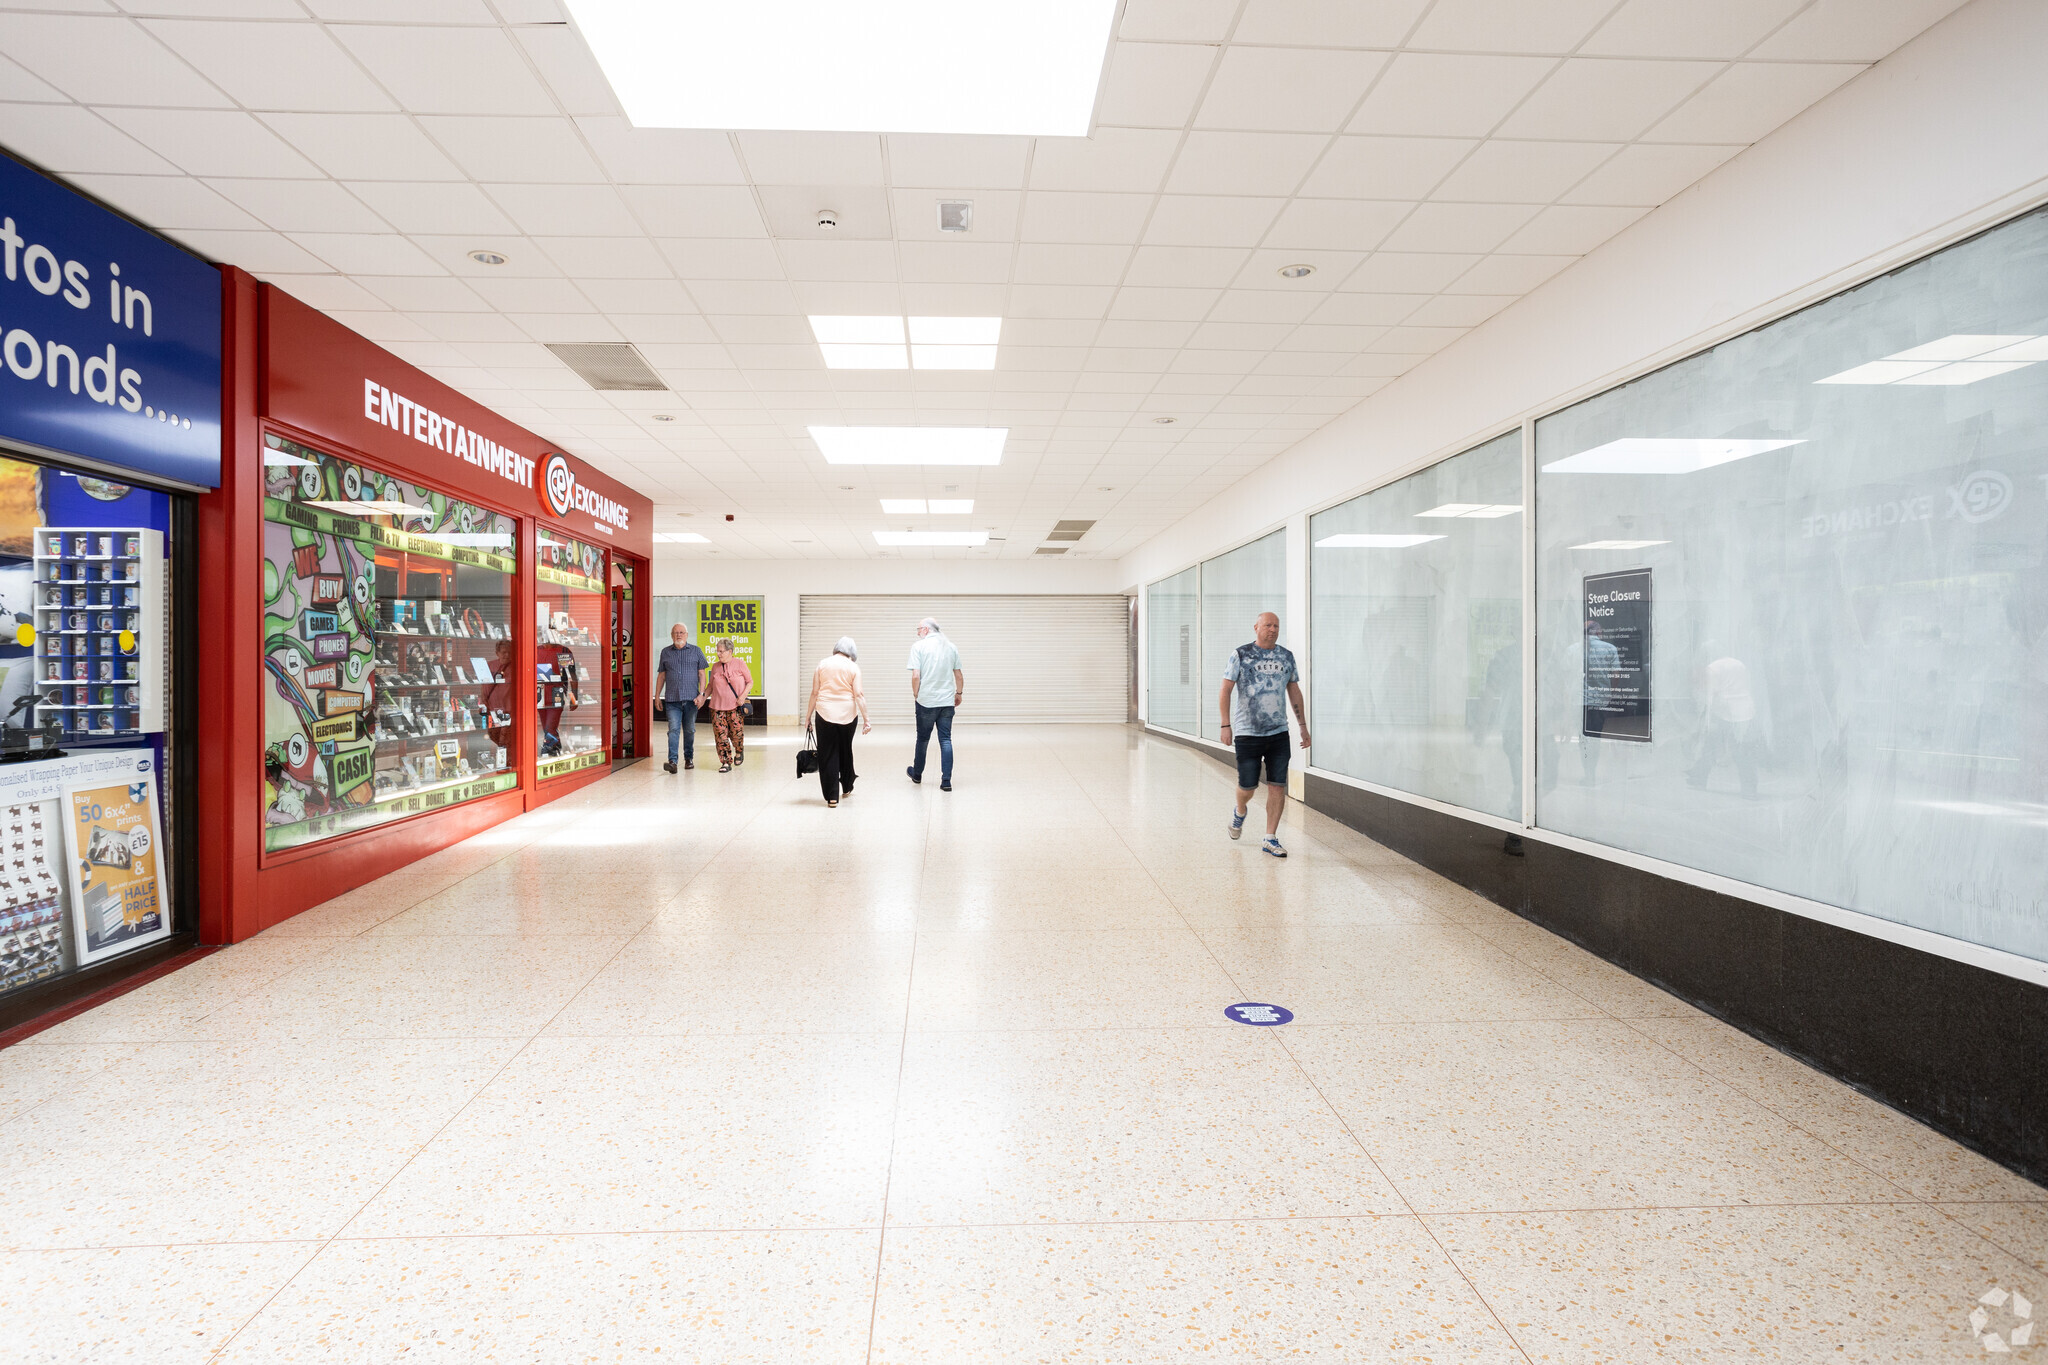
[[828, 219]]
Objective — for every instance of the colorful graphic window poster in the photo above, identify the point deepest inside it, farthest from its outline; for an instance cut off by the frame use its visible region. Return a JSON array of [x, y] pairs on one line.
[[117, 892]]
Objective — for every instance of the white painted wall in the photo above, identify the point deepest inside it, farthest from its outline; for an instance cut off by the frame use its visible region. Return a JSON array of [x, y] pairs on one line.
[[780, 582], [1945, 137]]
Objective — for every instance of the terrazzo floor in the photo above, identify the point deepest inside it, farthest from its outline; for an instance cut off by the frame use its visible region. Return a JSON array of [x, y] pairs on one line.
[[694, 1068]]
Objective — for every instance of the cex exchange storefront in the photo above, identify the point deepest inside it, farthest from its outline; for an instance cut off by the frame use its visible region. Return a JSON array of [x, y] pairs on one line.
[[420, 626]]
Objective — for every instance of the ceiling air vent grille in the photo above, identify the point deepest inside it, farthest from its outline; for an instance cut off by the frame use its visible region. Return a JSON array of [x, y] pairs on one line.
[[1069, 530], [1050, 550], [609, 365]]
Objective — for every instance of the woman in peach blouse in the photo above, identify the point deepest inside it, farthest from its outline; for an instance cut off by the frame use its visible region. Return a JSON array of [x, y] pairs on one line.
[[837, 702]]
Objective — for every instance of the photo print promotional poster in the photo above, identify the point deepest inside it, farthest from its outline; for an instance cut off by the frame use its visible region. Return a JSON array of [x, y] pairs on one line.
[[117, 896]]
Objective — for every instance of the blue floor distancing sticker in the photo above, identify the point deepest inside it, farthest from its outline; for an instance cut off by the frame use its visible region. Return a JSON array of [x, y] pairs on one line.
[[1263, 1015]]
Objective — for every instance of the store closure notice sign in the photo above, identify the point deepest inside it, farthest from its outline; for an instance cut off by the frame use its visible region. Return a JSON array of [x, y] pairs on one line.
[[1617, 656], [737, 619], [109, 337]]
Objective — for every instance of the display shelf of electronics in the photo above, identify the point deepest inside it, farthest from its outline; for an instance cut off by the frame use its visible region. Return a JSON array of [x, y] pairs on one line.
[[92, 583]]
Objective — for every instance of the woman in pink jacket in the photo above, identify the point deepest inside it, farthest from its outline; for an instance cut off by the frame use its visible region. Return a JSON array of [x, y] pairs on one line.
[[727, 684]]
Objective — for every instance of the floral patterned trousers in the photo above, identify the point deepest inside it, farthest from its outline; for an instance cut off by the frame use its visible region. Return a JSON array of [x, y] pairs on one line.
[[729, 727]]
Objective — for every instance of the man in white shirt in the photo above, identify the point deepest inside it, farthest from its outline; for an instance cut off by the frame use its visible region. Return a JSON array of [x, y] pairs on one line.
[[936, 687]]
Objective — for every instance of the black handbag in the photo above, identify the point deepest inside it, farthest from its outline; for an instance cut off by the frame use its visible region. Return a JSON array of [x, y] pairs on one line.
[[806, 758]]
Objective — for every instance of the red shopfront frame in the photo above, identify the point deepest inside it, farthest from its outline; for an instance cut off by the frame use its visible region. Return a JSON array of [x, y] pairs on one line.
[[290, 369]]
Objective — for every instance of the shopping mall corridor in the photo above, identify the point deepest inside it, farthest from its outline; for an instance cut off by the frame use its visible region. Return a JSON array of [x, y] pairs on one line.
[[694, 1066]]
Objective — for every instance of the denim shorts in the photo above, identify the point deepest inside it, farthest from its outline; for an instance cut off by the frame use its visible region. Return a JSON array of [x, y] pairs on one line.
[[1251, 750]]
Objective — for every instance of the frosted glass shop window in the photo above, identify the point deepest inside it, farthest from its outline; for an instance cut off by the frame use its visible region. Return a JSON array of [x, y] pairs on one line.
[[1173, 651]]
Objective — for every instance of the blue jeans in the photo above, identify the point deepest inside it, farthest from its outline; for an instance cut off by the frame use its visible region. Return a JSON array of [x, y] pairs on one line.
[[682, 724], [940, 717]]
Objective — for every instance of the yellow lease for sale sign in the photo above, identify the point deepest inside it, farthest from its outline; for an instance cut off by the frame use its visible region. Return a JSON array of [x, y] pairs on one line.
[[737, 619]]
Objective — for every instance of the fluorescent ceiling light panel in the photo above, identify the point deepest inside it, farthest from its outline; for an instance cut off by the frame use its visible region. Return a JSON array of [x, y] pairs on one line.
[[1473, 509], [911, 445], [953, 357], [679, 538], [903, 507], [1963, 358], [1619, 544], [839, 357], [1023, 68], [959, 538], [956, 331], [948, 507], [1371, 542], [1661, 455], [840, 327]]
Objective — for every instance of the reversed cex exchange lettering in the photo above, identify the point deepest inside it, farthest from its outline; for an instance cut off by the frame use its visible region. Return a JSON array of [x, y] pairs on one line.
[[1264, 1016]]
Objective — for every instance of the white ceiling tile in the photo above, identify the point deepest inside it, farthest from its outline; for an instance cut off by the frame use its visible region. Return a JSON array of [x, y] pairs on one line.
[[569, 68], [1417, 340], [672, 318], [566, 210], [1439, 95], [995, 214], [1065, 332], [1749, 100], [1501, 274], [851, 261], [1328, 23], [531, 296], [1282, 89], [1385, 167], [958, 162], [699, 258], [767, 357], [955, 262], [1648, 174], [365, 146], [1244, 163], [210, 142], [1059, 300], [517, 150], [1265, 305], [935, 298], [523, 256], [1211, 220], [1723, 30], [1117, 218], [1365, 310], [379, 327], [742, 296], [607, 258], [1459, 228], [1166, 305], [762, 330], [257, 252], [849, 298], [1609, 100], [1185, 266], [1459, 310], [1171, 335], [167, 202], [1336, 224], [433, 207], [16, 84], [700, 211], [862, 212], [1327, 337], [1508, 172], [1236, 336], [399, 11], [662, 156], [368, 253], [1153, 85], [470, 327], [1114, 159], [1853, 30], [1510, 25], [812, 158], [1399, 272], [273, 66], [301, 205], [1178, 21], [426, 354], [104, 60], [449, 70], [329, 293], [201, 9], [1044, 263]]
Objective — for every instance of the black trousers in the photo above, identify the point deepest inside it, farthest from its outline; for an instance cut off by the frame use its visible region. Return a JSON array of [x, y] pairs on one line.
[[835, 755]]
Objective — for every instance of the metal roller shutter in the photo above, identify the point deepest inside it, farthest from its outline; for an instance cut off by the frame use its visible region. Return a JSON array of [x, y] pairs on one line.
[[1028, 659]]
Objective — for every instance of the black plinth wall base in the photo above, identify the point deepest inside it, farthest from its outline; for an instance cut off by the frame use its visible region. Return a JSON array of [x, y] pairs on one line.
[[1962, 1049]]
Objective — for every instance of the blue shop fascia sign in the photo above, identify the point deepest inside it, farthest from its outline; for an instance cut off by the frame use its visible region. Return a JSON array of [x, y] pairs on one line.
[[109, 338]]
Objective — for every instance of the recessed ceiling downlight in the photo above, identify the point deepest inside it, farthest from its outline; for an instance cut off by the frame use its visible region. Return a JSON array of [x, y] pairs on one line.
[[487, 257], [1026, 68], [1298, 271]]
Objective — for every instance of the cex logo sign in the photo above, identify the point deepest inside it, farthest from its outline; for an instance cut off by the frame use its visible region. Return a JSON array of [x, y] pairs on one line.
[[562, 493]]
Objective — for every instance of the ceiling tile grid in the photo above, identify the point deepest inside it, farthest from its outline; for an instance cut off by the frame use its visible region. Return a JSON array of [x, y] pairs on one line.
[[1428, 161]]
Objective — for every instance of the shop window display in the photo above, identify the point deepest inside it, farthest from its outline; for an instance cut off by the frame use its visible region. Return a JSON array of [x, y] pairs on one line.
[[571, 597], [389, 647]]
